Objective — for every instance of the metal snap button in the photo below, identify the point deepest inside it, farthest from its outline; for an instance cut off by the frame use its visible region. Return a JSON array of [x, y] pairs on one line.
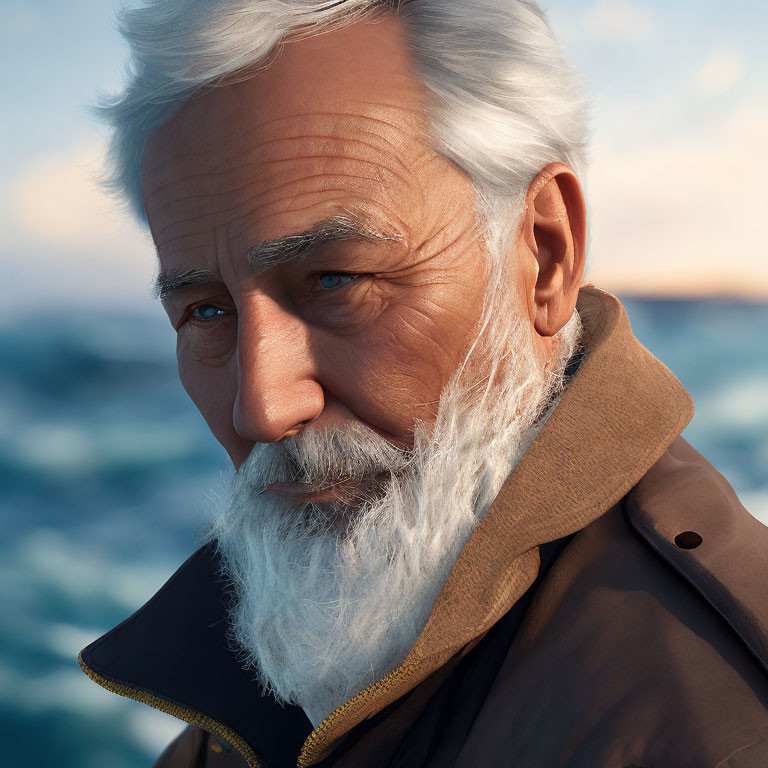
[[688, 540], [215, 745]]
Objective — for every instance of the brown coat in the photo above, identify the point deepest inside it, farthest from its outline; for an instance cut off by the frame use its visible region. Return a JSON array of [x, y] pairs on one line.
[[639, 647]]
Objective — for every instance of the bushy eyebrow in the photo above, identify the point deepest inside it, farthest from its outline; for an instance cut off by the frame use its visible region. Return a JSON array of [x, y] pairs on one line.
[[170, 281], [270, 253]]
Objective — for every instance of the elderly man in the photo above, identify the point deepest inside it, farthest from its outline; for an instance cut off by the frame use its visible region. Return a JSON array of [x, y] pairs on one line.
[[463, 529]]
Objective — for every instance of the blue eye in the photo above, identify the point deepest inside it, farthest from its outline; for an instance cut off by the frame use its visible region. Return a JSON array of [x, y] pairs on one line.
[[208, 312], [335, 279]]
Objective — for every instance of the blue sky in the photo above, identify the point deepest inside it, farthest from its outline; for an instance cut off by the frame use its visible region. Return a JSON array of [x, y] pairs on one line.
[[678, 161]]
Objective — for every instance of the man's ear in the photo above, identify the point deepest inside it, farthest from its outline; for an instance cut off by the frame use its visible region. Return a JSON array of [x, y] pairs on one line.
[[551, 245]]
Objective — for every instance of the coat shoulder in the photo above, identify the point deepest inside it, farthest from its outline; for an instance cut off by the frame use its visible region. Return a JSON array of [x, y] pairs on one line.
[[686, 511], [621, 659]]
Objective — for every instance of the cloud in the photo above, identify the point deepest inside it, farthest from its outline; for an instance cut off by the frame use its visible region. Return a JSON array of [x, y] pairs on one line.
[[64, 238], [720, 72], [57, 202], [684, 215], [619, 20]]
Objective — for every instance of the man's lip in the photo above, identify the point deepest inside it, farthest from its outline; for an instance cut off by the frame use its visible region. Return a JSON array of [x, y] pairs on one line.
[[303, 492]]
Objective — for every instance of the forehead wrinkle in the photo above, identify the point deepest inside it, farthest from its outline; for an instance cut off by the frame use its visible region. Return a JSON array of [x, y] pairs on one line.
[[169, 232], [328, 174], [353, 139], [379, 172], [367, 207], [314, 181], [391, 166], [330, 116], [176, 242], [311, 184], [399, 170], [344, 144], [250, 201], [254, 127], [248, 214], [380, 135], [342, 151], [198, 154], [192, 225], [244, 193]]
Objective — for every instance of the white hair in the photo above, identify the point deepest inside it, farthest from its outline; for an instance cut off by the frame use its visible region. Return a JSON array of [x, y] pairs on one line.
[[503, 103]]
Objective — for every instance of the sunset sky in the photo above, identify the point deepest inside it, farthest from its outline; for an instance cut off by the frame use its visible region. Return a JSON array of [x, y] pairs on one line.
[[676, 188]]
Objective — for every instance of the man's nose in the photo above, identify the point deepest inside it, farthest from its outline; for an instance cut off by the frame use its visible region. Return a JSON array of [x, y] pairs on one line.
[[278, 393]]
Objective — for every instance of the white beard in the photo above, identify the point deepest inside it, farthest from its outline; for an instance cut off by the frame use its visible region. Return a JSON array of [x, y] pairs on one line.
[[332, 596]]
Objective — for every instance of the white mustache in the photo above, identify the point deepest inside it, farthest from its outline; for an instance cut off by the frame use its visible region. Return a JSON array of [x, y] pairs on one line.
[[316, 460]]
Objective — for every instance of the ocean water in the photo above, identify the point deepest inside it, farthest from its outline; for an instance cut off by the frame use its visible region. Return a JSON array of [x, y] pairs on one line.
[[108, 472]]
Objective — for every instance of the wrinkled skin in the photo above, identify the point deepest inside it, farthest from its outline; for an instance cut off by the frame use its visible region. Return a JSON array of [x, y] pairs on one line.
[[366, 331]]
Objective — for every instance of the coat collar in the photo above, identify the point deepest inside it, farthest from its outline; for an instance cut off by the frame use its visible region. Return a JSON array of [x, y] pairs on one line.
[[615, 419], [174, 654]]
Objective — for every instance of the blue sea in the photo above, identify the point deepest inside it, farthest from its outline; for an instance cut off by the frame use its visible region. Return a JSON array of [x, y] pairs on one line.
[[108, 470]]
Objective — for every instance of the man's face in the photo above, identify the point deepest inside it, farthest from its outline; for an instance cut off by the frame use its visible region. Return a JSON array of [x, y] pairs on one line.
[[339, 328]]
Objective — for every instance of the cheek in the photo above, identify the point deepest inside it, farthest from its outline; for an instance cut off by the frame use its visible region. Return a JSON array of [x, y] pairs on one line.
[[435, 328], [394, 370], [213, 391]]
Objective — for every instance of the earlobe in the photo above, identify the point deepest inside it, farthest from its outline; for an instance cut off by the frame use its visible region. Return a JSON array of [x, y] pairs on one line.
[[554, 233]]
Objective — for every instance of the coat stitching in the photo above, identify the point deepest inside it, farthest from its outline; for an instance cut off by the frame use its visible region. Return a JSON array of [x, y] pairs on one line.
[[726, 760]]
